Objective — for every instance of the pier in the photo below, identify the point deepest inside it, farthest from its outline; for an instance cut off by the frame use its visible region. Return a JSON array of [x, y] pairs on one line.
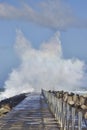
[[47, 111], [31, 114]]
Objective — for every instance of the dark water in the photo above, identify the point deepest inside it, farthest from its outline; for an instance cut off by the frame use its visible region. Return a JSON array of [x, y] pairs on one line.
[[2, 89]]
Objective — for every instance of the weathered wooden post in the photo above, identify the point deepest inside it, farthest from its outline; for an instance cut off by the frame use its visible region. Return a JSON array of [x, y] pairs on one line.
[[79, 120], [51, 101], [68, 116], [60, 111], [64, 116], [53, 104], [73, 118], [57, 109]]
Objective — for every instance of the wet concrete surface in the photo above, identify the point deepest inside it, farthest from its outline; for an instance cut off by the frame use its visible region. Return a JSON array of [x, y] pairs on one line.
[[31, 114]]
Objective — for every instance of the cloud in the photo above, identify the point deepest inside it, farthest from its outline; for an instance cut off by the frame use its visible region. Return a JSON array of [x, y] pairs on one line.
[[43, 68], [8, 11], [54, 14]]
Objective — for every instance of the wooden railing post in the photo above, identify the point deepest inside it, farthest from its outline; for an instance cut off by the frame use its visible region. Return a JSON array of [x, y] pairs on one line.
[[73, 118], [79, 120], [67, 116]]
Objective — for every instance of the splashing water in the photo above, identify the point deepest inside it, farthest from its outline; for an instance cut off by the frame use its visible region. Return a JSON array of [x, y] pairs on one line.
[[43, 68]]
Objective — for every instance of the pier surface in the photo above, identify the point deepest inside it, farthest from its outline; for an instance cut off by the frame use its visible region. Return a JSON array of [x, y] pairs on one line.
[[31, 114]]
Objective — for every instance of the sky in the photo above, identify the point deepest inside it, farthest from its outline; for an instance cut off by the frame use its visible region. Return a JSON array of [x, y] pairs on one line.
[[39, 20]]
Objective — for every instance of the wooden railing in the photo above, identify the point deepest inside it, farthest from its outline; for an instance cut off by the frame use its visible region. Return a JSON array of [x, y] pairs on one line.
[[67, 116]]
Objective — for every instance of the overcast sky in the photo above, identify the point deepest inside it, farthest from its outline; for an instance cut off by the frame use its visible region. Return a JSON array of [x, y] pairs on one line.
[[39, 20]]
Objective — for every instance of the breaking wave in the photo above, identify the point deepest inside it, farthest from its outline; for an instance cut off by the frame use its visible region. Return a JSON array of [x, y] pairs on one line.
[[43, 68]]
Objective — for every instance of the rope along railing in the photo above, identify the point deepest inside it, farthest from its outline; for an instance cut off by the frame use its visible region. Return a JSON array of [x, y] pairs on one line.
[[67, 114]]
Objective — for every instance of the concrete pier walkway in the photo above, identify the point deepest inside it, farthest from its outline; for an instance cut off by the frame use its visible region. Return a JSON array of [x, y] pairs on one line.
[[31, 114]]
